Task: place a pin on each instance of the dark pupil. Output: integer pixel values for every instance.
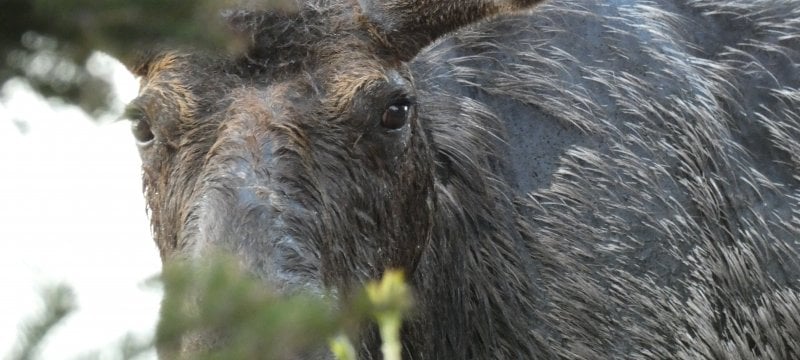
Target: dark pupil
(141, 131)
(395, 116)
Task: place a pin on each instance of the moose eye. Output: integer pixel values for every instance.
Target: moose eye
(396, 115)
(139, 126)
(141, 131)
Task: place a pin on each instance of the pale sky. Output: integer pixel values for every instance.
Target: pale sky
(71, 210)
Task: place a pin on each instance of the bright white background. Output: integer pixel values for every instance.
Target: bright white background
(71, 210)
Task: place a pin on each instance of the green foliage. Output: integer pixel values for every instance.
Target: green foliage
(216, 297)
(389, 300)
(59, 301)
(216, 302)
(342, 348)
(210, 298)
(48, 41)
(124, 27)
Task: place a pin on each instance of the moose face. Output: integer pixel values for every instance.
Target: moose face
(315, 178)
(305, 157)
(319, 158)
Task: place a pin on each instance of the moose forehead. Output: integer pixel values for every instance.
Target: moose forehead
(333, 51)
(180, 80)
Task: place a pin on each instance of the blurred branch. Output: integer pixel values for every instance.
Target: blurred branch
(342, 348)
(49, 41)
(390, 300)
(59, 301)
(228, 314)
(216, 297)
(218, 302)
(124, 27)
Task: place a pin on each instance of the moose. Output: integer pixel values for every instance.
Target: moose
(569, 179)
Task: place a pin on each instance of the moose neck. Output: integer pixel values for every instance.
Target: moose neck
(477, 258)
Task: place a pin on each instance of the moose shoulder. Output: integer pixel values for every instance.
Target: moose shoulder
(583, 179)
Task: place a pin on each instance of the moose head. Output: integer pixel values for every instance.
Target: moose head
(308, 157)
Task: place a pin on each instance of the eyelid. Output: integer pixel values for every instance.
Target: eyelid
(401, 96)
(409, 102)
(133, 112)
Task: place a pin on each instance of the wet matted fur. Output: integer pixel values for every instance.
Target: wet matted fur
(583, 180)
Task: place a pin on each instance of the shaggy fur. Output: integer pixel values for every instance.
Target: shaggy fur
(585, 180)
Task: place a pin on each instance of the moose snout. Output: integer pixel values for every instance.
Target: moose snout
(241, 209)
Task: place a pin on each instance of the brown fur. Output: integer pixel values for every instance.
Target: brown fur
(587, 180)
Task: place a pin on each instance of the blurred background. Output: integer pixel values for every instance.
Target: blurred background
(71, 206)
(72, 212)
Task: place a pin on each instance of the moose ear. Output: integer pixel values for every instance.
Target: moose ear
(406, 26)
